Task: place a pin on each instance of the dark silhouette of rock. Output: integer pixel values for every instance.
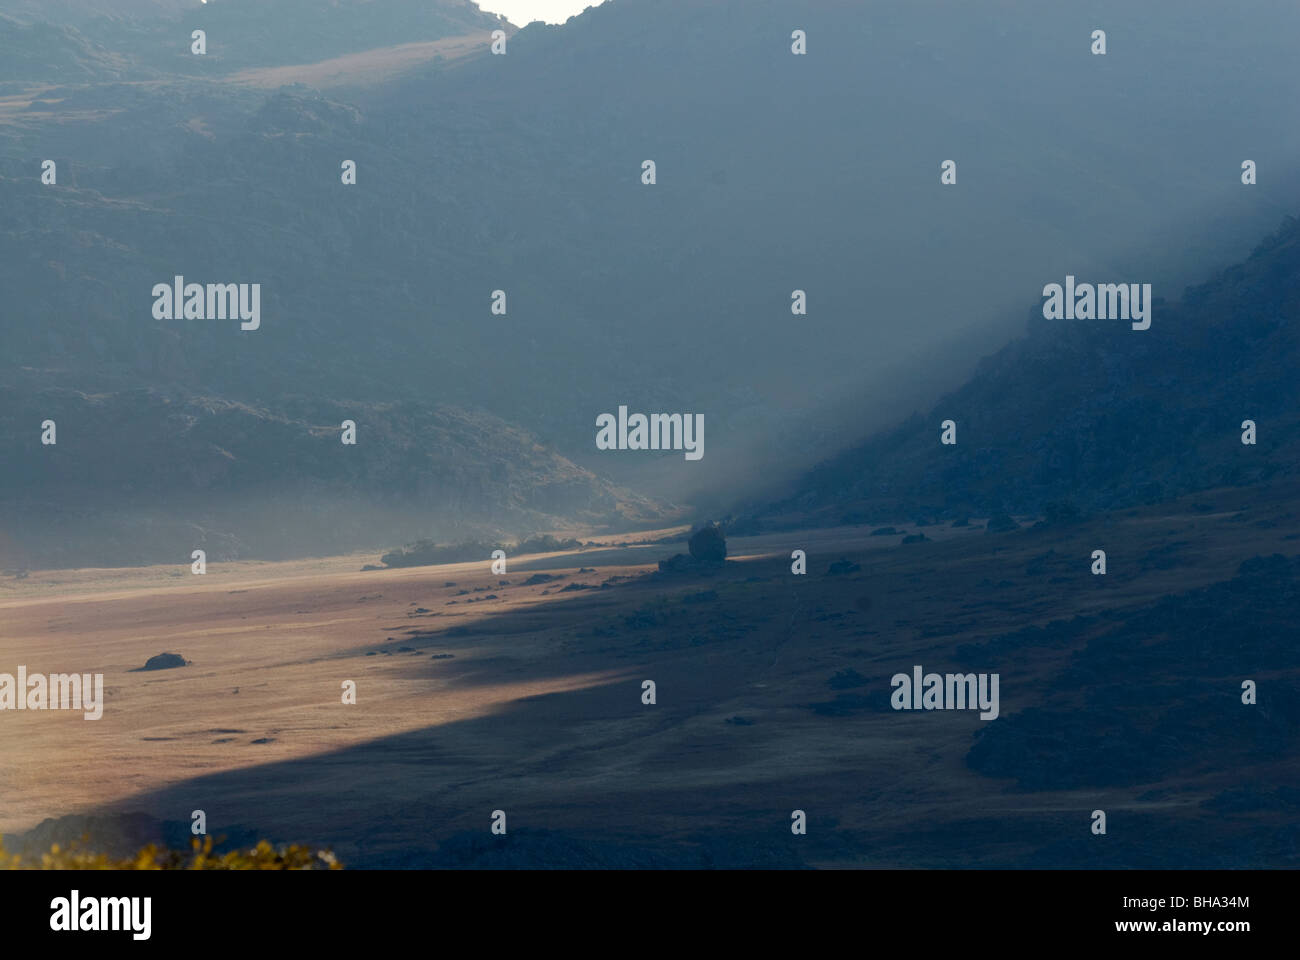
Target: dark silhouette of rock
(165, 661)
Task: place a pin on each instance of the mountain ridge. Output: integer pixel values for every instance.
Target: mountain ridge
(1097, 413)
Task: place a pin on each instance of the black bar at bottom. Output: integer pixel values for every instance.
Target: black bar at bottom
(370, 907)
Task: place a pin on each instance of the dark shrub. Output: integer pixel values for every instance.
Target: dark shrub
(708, 544)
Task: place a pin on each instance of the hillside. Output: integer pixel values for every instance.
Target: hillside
(142, 477)
(1094, 413)
(522, 173)
(153, 39)
(46, 52)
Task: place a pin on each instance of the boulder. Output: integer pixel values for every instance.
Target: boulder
(165, 661)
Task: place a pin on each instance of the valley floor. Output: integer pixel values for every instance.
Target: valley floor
(772, 689)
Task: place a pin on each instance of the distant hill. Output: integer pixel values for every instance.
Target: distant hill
(1092, 412)
(142, 477)
(154, 36)
(81, 11)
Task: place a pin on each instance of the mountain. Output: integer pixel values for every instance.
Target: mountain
(1093, 413)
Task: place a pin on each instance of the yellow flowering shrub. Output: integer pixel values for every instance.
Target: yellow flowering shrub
(264, 856)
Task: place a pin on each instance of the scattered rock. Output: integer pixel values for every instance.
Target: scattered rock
(165, 661)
